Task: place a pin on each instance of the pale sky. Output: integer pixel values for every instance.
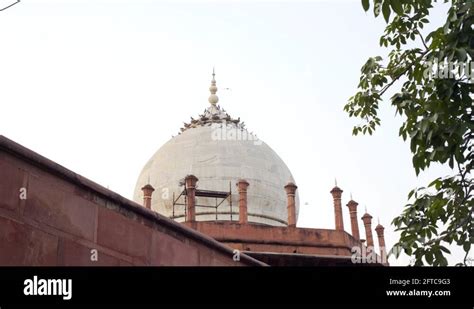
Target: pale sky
(98, 86)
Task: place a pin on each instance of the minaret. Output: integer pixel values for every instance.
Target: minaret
(190, 183)
(242, 185)
(379, 229)
(213, 98)
(290, 189)
(368, 229)
(147, 192)
(336, 195)
(352, 205)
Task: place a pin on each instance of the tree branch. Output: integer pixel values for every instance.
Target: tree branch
(386, 87)
(423, 41)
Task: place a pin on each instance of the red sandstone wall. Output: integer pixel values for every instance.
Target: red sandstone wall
(65, 216)
(259, 238)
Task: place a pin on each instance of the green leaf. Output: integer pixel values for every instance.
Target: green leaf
(445, 249)
(386, 10)
(461, 54)
(365, 5)
(397, 6)
(429, 258)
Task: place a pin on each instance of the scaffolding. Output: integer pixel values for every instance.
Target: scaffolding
(219, 196)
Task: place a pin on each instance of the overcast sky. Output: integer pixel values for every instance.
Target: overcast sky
(99, 86)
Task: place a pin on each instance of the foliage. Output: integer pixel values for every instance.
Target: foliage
(434, 94)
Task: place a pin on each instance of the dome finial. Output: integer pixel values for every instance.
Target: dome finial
(213, 98)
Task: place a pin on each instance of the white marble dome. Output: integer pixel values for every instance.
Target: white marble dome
(219, 151)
